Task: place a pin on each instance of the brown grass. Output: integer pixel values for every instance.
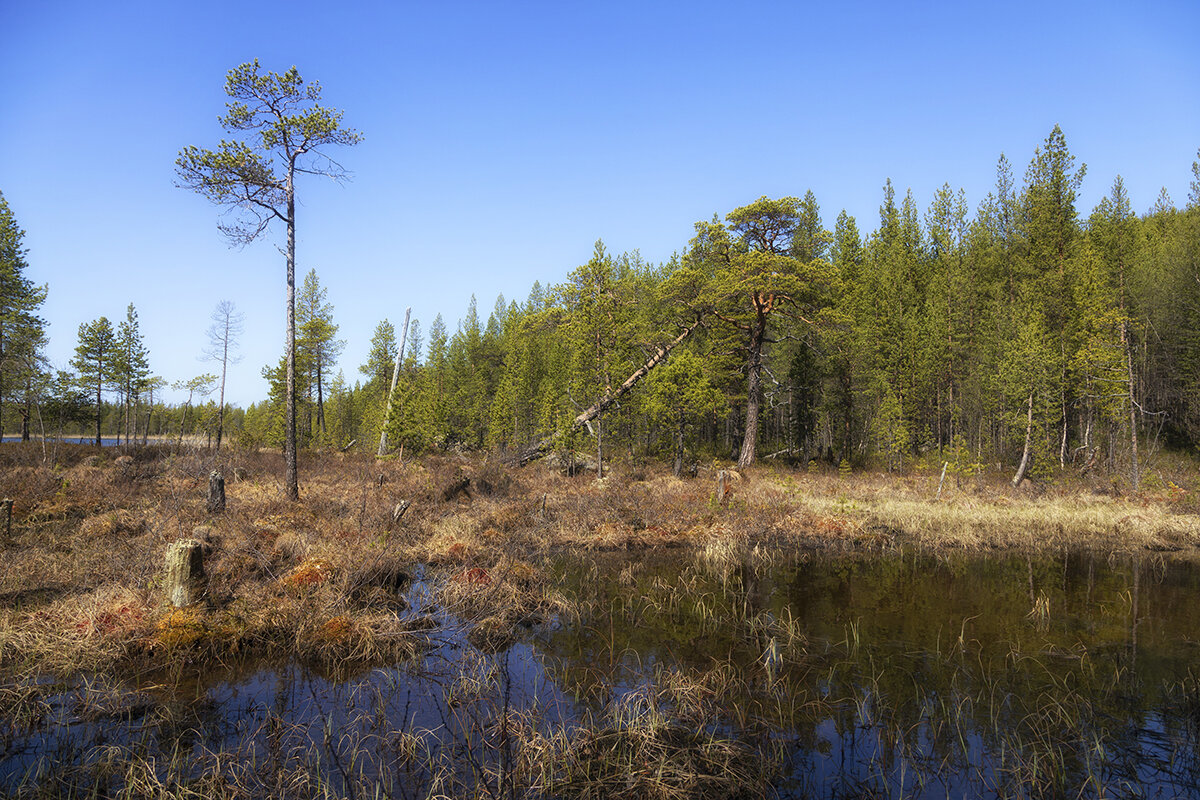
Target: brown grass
(324, 578)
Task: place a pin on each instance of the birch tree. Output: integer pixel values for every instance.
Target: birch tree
(223, 336)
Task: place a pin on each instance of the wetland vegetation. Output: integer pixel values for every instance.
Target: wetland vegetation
(451, 627)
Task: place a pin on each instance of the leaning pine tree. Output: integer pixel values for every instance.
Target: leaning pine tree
(280, 117)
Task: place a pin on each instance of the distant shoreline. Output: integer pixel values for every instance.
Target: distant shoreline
(72, 439)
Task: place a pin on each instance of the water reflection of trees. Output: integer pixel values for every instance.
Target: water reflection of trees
(996, 673)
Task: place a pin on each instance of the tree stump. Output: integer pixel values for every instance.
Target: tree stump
(398, 511)
(216, 492)
(185, 572)
(724, 486)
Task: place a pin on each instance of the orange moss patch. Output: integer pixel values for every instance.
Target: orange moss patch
(455, 553)
(310, 572)
(474, 575)
(831, 524)
(337, 630)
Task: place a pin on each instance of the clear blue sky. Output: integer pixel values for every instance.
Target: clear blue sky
(503, 139)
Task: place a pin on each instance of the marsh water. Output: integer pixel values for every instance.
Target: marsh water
(882, 674)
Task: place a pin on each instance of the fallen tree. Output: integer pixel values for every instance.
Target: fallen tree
(539, 448)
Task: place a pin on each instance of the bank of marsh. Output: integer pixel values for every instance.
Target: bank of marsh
(542, 635)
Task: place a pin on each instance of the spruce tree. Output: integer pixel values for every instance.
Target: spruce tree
(22, 331)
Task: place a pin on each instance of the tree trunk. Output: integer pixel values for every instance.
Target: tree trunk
(183, 423)
(678, 470)
(320, 399)
(216, 492)
(1133, 437)
(605, 402)
(185, 572)
(99, 411)
(1025, 456)
(291, 478)
(753, 392)
(224, 369)
(387, 412)
(27, 412)
(724, 486)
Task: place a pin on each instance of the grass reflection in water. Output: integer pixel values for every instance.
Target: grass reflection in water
(719, 673)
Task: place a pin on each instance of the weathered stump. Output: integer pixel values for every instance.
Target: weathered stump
(724, 486)
(398, 511)
(185, 572)
(216, 492)
(6, 511)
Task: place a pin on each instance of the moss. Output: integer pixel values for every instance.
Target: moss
(310, 572)
(182, 627)
(338, 630)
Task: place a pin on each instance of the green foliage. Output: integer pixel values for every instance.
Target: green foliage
(937, 337)
(22, 331)
(679, 394)
(381, 357)
(95, 362)
(317, 349)
(891, 431)
(281, 117)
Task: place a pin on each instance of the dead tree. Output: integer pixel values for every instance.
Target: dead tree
(606, 401)
(185, 572)
(1028, 452)
(216, 492)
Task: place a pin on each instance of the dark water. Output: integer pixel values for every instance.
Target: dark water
(880, 675)
(106, 441)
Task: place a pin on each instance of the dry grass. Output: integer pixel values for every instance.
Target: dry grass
(325, 578)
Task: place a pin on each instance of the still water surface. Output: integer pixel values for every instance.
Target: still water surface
(867, 675)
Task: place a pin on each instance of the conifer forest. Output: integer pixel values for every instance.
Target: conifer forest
(1024, 333)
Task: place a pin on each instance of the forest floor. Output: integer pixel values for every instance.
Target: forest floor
(82, 583)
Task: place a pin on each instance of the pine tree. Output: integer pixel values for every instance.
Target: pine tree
(381, 358)
(131, 366)
(317, 345)
(1051, 234)
(22, 331)
(282, 118)
(1116, 238)
(748, 273)
(94, 362)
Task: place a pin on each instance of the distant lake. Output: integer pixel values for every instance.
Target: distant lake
(107, 442)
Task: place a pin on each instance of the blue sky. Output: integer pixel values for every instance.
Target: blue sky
(503, 139)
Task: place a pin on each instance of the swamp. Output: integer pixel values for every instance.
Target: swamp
(453, 627)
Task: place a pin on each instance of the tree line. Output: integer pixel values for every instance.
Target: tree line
(1028, 334)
